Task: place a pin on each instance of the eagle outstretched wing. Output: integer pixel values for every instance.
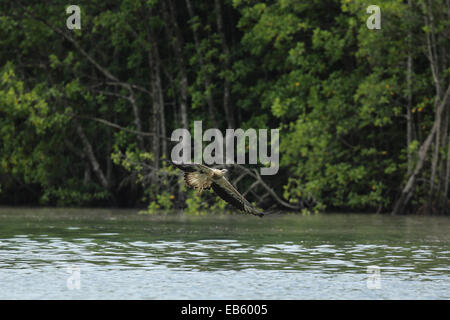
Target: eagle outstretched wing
(192, 167)
(201, 177)
(224, 189)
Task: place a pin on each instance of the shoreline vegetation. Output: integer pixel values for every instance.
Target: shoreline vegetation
(86, 115)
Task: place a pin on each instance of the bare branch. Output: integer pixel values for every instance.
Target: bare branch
(114, 125)
(255, 174)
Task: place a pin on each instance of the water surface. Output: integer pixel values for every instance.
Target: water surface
(116, 254)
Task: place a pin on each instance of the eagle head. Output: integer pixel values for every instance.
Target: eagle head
(219, 173)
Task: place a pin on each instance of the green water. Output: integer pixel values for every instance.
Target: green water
(114, 254)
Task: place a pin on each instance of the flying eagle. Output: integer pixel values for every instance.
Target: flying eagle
(201, 177)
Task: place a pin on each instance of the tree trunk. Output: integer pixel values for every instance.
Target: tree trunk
(445, 162)
(176, 39)
(89, 151)
(442, 163)
(109, 167)
(229, 115)
(435, 159)
(154, 118)
(446, 195)
(207, 80)
(409, 116)
(159, 122)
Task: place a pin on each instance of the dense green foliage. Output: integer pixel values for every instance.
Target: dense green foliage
(84, 114)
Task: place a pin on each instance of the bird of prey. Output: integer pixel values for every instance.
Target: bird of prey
(201, 177)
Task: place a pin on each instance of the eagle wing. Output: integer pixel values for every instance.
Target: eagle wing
(224, 189)
(192, 167)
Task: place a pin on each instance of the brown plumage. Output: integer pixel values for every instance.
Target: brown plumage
(197, 181)
(201, 177)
